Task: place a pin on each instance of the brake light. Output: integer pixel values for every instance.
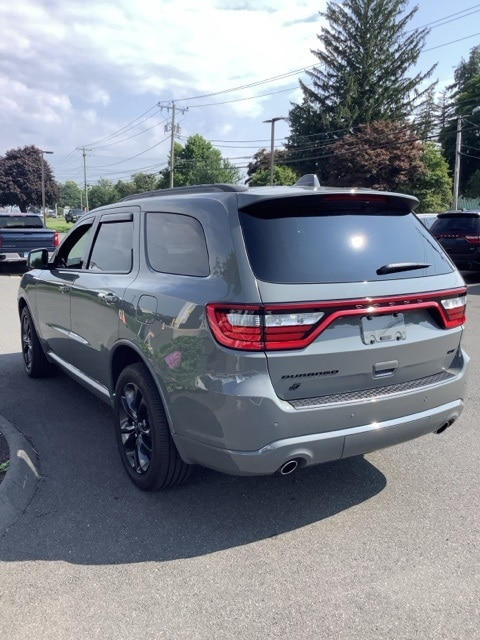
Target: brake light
(275, 327)
(259, 328)
(473, 239)
(56, 239)
(348, 197)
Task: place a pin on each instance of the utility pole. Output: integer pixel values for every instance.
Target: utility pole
(456, 174)
(43, 185)
(272, 145)
(84, 153)
(458, 155)
(175, 129)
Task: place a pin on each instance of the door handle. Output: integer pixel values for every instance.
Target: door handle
(108, 298)
(64, 288)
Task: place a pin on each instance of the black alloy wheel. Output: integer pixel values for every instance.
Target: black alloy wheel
(34, 359)
(143, 436)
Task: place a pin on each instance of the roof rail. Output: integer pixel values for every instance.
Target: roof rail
(196, 188)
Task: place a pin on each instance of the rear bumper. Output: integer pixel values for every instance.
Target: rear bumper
(243, 434)
(13, 257)
(321, 447)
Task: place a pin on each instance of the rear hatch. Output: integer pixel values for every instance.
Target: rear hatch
(356, 294)
(459, 235)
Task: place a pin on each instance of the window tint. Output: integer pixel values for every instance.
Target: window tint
(338, 246)
(113, 246)
(176, 244)
(457, 224)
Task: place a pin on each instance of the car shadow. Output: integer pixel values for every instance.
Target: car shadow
(13, 268)
(86, 511)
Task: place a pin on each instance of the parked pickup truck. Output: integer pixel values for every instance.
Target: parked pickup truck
(22, 232)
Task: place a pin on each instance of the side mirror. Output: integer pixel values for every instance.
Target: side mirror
(38, 259)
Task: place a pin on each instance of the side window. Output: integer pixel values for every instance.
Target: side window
(70, 255)
(176, 244)
(113, 247)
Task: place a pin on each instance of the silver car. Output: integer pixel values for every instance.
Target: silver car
(252, 331)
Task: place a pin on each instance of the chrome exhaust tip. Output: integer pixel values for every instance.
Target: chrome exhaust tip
(288, 467)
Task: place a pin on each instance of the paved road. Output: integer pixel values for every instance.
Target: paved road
(382, 547)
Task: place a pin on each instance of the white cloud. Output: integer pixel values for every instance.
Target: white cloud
(74, 71)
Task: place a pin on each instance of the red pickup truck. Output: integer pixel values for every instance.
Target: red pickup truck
(22, 232)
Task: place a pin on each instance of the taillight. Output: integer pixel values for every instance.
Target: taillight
(56, 239)
(454, 311)
(277, 327)
(473, 239)
(259, 328)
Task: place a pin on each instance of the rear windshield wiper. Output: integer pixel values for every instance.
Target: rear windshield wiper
(395, 267)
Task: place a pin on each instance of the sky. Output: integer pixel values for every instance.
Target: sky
(95, 81)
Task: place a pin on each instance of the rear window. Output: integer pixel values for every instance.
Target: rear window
(337, 246)
(21, 222)
(456, 223)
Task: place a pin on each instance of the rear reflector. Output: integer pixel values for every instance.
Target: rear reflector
(295, 326)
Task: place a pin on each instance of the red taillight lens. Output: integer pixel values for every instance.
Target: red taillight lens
(56, 239)
(295, 326)
(258, 328)
(237, 327)
(473, 239)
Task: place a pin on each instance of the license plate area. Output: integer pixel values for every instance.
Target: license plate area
(386, 328)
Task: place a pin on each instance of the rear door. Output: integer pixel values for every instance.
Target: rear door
(357, 284)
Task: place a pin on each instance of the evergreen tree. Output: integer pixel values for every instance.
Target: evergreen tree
(465, 96)
(362, 76)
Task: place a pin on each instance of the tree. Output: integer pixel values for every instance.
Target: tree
(101, 193)
(465, 99)
(261, 160)
(199, 163)
(428, 117)
(473, 187)
(433, 187)
(124, 189)
(70, 195)
(363, 75)
(21, 178)
(145, 182)
(281, 175)
(381, 155)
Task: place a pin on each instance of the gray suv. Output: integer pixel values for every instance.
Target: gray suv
(252, 331)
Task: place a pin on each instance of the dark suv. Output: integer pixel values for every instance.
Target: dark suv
(252, 330)
(459, 234)
(72, 215)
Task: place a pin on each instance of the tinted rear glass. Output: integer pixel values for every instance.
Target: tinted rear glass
(456, 224)
(337, 246)
(176, 244)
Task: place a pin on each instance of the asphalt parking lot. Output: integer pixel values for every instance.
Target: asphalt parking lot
(385, 546)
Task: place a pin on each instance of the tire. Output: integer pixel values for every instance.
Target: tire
(143, 436)
(34, 359)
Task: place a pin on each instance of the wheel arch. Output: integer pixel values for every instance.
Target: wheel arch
(126, 354)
